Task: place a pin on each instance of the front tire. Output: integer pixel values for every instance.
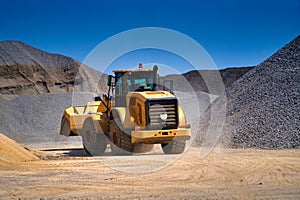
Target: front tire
(173, 147)
(120, 140)
(94, 143)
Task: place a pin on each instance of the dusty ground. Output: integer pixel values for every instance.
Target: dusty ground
(224, 174)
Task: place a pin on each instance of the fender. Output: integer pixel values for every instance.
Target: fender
(119, 114)
(181, 117)
(122, 117)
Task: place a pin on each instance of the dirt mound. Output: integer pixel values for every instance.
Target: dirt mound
(25, 70)
(13, 152)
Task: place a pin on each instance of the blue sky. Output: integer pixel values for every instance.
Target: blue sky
(234, 33)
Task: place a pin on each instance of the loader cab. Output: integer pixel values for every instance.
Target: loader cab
(133, 81)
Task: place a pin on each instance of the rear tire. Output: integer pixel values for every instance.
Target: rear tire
(120, 140)
(173, 147)
(94, 143)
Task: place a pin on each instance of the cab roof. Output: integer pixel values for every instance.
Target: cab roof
(132, 70)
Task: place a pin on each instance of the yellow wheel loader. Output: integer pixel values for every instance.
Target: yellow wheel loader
(135, 114)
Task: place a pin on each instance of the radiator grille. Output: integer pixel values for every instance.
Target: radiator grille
(162, 114)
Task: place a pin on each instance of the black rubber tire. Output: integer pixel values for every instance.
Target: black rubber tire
(65, 127)
(120, 140)
(173, 147)
(93, 143)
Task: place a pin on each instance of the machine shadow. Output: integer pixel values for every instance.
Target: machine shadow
(80, 152)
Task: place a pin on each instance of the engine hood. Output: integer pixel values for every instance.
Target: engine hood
(150, 95)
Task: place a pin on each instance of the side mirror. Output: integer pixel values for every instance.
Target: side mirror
(98, 98)
(109, 79)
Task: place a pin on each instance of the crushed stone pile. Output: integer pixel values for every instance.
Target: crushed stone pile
(263, 105)
(12, 152)
(37, 118)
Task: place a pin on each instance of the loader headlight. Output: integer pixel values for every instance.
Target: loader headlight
(163, 116)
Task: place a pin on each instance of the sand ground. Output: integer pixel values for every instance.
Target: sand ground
(67, 173)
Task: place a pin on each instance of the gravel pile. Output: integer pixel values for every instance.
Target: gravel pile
(263, 105)
(36, 118)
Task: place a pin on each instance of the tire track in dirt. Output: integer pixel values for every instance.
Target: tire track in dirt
(230, 173)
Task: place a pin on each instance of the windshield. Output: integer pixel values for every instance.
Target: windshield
(137, 81)
(140, 81)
